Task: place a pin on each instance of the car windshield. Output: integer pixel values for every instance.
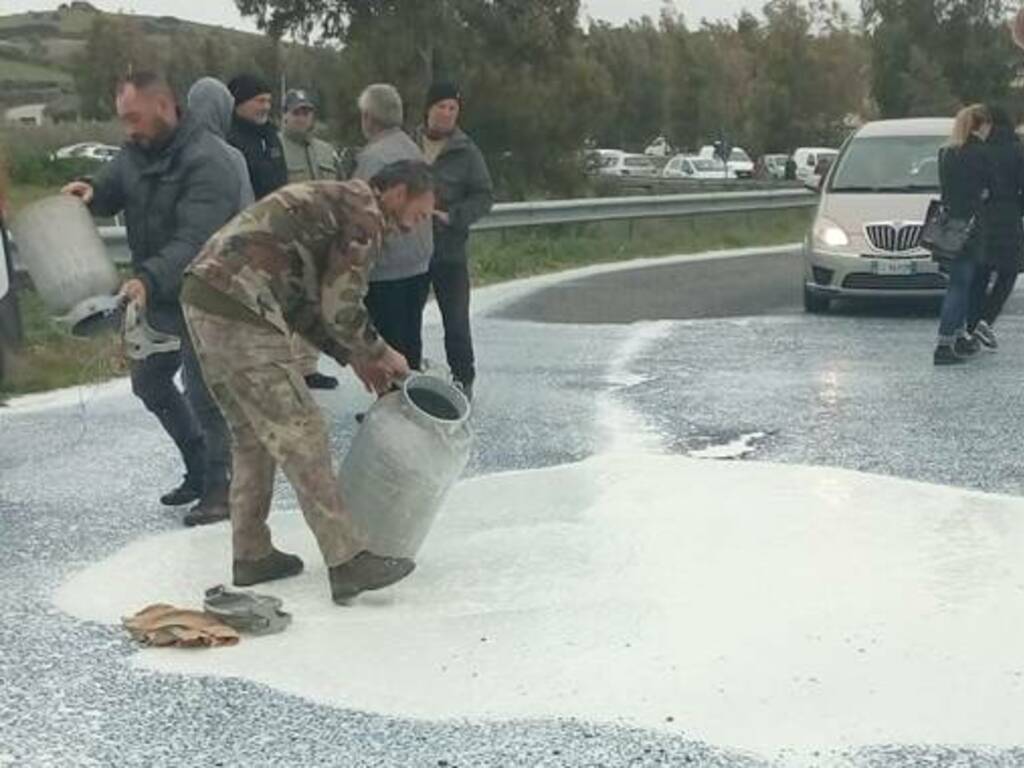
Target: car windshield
(889, 164)
(739, 156)
(608, 160)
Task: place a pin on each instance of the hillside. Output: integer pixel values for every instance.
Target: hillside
(38, 50)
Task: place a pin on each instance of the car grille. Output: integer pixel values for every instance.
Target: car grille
(892, 239)
(926, 281)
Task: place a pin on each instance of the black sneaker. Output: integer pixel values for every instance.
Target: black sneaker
(966, 346)
(364, 572)
(276, 565)
(944, 355)
(190, 490)
(984, 333)
(321, 381)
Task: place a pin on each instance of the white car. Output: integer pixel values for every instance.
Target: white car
(807, 159)
(740, 164)
(866, 236)
(626, 165)
(92, 150)
(102, 152)
(775, 166)
(659, 148)
(696, 168)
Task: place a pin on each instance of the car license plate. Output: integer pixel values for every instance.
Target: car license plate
(894, 267)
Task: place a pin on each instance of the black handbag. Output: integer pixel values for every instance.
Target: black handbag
(945, 235)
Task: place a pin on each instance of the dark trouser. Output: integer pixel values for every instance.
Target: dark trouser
(192, 419)
(396, 308)
(957, 303)
(451, 287)
(988, 295)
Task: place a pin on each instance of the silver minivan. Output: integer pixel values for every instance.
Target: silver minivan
(866, 236)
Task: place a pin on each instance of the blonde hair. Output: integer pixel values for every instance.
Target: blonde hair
(967, 121)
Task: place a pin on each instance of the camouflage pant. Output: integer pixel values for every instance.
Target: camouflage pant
(307, 356)
(252, 373)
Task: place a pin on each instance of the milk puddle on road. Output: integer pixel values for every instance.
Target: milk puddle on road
(777, 609)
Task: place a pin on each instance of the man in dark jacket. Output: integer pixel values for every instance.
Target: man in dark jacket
(176, 186)
(257, 137)
(1002, 252)
(464, 195)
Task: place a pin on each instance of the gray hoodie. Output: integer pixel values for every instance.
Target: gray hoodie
(211, 105)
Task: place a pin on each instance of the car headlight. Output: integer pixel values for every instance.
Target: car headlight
(830, 235)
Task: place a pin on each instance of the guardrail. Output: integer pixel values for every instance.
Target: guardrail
(552, 212)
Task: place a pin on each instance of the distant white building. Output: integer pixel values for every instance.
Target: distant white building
(27, 114)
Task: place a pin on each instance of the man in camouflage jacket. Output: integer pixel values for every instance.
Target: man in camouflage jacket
(297, 263)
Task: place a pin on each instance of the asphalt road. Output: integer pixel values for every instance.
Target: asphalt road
(736, 362)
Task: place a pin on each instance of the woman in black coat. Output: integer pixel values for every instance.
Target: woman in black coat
(1001, 229)
(965, 178)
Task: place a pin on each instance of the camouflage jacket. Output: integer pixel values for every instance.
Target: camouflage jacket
(299, 260)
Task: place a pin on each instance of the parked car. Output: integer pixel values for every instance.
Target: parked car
(625, 164)
(816, 179)
(72, 150)
(102, 152)
(740, 164)
(866, 236)
(659, 148)
(807, 159)
(92, 150)
(596, 159)
(774, 166)
(696, 168)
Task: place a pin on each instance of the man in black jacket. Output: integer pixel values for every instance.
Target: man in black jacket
(256, 136)
(176, 186)
(464, 194)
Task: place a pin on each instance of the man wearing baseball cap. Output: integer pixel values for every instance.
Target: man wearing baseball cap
(307, 157)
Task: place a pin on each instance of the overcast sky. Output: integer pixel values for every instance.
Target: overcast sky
(223, 12)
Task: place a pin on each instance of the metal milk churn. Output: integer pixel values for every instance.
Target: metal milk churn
(409, 451)
(60, 247)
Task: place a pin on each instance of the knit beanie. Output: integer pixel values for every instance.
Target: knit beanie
(245, 87)
(441, 91)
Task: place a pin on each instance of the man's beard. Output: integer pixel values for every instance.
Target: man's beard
(163, 133)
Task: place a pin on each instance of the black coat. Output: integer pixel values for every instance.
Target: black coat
(464, 189)
(966, 179)
(1002, 228)
(173, 199)
(264, 155)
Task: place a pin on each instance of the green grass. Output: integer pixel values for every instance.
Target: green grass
(21, 195)
(51, 358)
(496, 257)
(12, 70)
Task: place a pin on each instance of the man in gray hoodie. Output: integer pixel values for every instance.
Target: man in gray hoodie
(211, 105)
(400, 278)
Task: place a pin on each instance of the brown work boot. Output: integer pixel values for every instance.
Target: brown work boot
(366, 571)
(276, 565)
(212, 508)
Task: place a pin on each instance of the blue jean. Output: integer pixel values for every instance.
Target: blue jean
(957, 303)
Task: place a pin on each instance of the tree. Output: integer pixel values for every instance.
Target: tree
(114, 47)
(958, 46)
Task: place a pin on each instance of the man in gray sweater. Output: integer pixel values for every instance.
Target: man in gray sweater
(400, 279)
